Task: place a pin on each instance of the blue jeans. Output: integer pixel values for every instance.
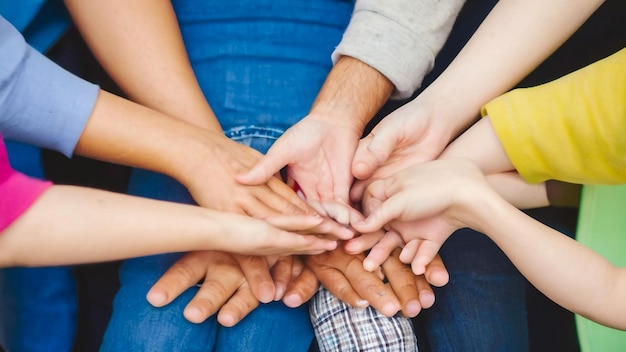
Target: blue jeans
(38, 306)
(260, 65)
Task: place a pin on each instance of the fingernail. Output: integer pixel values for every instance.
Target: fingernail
(280, 291)
(156, 297)
(292, 300)
(362, 303)
(413, 308)
(390, 309)
(193, 314)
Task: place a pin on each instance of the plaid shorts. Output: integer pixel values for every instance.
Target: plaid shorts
(341, 328)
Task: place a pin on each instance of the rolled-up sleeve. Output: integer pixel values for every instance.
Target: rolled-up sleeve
(40, 102)
(399, 38)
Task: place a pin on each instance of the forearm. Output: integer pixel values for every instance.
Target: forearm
(514, 39)
(126, 133)
(68, 225)
(354, 91)
(140, 46)
(567, 272)
(516, 191)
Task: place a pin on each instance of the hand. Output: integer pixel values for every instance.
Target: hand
(318, 153)
(424, 204)
(212, 184)
(295, 282)
(343, 275)
(251, 236)
(230, 285)
(411, 134)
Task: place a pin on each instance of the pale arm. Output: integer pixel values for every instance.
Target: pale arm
(126, 133)
(513, 40)
(140, 46)
(433, 199)
(569, 273)
(69, 225)
(515, 37)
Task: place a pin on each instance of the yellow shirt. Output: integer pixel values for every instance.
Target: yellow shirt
(572, 129)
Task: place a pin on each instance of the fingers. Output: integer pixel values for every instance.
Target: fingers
(382, 213)
(372, 151)
(426, 251)
(339, 217)
(257, 274)
(211, 295)
(335, 210)
(282, 272)
(301, 289)
(363, 242)
(426, 293)
(241, 304)
(185, 273)
(266, 167)
(335, 280)
(369, 286)
(436, 272)
(405, 284)
(381, 251)
(294, 203)
(303, 223)
(361, 283)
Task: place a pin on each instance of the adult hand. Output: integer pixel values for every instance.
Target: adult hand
(232, 286)
(274, 236)
(344, 276)
(413, 133)
(295, 282)
(318, 151)
(211, 181)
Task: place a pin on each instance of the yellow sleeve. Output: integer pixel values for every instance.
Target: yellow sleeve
(572, 129)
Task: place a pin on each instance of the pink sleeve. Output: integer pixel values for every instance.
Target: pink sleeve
(17, 191)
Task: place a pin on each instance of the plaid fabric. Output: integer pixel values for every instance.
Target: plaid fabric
(341, 328)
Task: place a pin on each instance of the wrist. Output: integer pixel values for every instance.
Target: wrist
(353, 91)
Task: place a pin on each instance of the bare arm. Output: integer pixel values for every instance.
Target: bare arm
(139, 44)
(69, 224)
(513, 40)
(515, 37)
(433, 199)
(571, 274)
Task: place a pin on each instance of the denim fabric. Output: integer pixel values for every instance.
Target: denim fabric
(260, 65)
(37, 305)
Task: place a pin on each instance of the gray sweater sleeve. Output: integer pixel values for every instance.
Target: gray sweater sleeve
(399, 38)
(40, 102)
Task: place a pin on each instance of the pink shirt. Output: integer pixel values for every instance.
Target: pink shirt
(17, 191)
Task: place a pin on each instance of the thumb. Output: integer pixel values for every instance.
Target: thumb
(372, 152)
(264, 169)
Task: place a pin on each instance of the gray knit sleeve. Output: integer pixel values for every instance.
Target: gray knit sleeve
(399, 38)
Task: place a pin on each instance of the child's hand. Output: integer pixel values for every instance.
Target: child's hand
(423, 204)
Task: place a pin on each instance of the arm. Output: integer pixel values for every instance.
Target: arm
(69, 224)
(143, 51)
(441, 196)
(41, 103)
(140, 46)
(510, 42)
(580, 110)
(320, 148)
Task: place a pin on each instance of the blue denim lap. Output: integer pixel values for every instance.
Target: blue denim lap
(136, 325)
